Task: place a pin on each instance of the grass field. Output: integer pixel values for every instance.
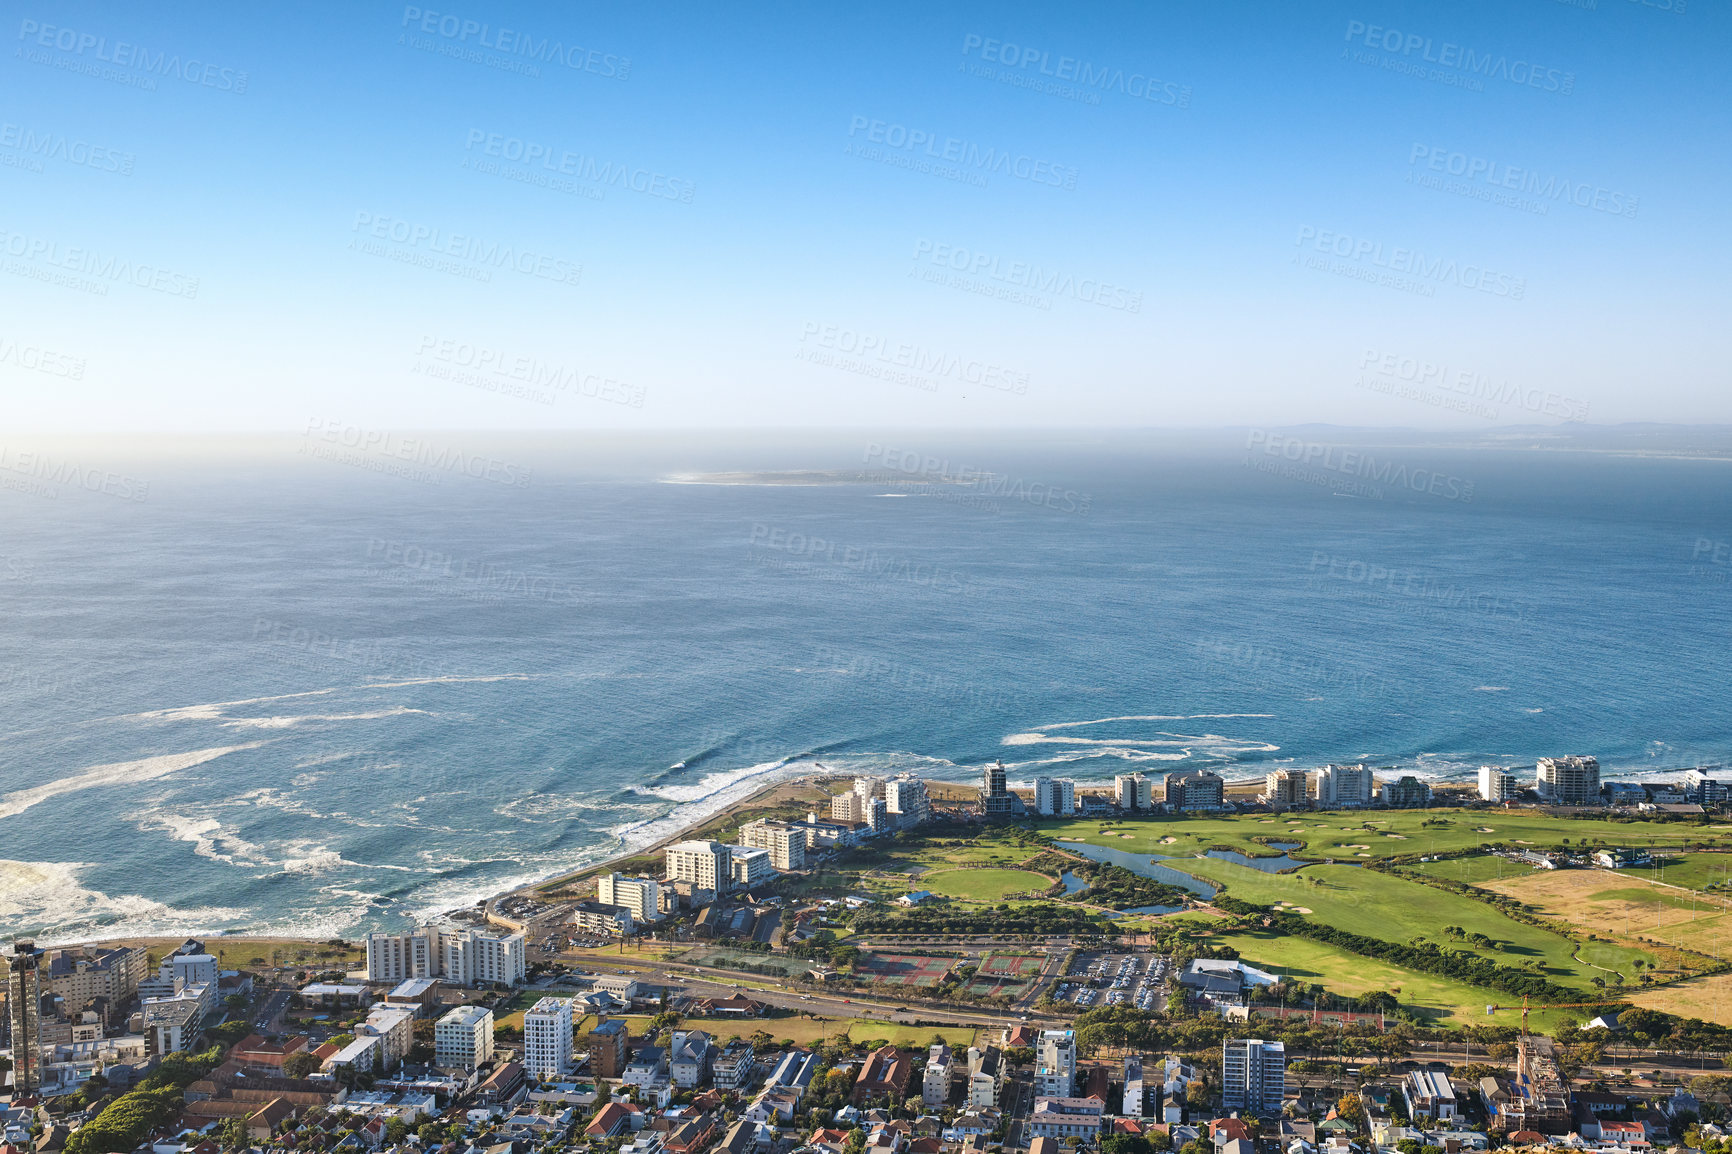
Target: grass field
(1484, 867)
(1692, 871)
(958, 1037)
(1438, 999)
(983, 885)
(1396, 909)
(1627, 906)
(1707, 998)
(1384, 832)
(902, 969)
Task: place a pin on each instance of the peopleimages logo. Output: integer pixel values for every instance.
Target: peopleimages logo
(545, 50)
(124, 55)
(1402, 46)
(1353, 466)
(967, 155)
(1498, 176)
(1088, 77)
(1411, 263)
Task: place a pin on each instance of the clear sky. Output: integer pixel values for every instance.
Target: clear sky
(630, 214)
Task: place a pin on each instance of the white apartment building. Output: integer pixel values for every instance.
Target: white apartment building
(867, 788)
(642, 896)
(1496, 783)
(878, 815)
(394, 1026)
(785, 841)
(476, 955)
(702, 865)
(749, 867)
(906, 800)
(1285, 788)
(1132, 791)
(1339, 786)
(935, 1083)
(1253, 1074)
(463, 1038)
(547, 1039)
(1054, 796)
(399, 957)
(188, 966)
(1055, 1064)
(1568, 780)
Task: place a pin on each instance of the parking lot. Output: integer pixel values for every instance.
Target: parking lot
(1114, 980)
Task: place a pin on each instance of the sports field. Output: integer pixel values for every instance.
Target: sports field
(1383, 833)
(1006, 973)
(1396, 909)
(1629, 905)
(1440, 1000)
(902, 969)
(984, 885)
(1691, 871)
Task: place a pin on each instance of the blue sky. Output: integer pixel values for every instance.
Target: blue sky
(1369, 213)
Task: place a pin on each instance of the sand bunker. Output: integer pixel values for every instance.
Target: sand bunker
(1361, 855)
(1484, 829)
(1126, 836)
(1397, 836)
(1356, 847)
(1169, 840)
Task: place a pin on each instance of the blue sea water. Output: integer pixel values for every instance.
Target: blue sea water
(290, 690)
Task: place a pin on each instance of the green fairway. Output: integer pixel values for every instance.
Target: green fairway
(1383, 833)
(1472, 870)
(1437, 999)
(1694, 871)
(984, 885)
(1396, 909)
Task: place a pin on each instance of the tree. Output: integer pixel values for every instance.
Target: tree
(1197, 1095)
(232, 1134)
(1126, 1144)
(1351, 1109)
(299, 1065)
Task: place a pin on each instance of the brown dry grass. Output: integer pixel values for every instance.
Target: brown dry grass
(1626, 908)
(1707, 998)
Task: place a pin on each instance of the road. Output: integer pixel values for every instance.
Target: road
(269, 1013)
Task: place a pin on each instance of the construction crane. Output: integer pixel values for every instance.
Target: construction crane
(1554, 1006)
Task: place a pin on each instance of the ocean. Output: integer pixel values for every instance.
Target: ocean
(318, 685)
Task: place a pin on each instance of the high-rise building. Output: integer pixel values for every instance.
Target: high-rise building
(1344, 786)
(702, 865)
(1134, 791)
(1496, 783)
(1135, 1100)
(906, 800)
(1568, 780)
(849, 807)
(463, 1038)
(995, 795)
(473, 956)
(749, 868)
(785, 841)
(1406, 792)
(399, 957)
(867, 788)
(1253, 1075)
(642, 896)
(1285, 788)
(1196, 789)
(935, 1084)
(1705, 785)
(608, 1048)
(878, 815)
(547, 1039)
(1054, 796)
(26, 983)
(90, 977)
(1055, 1064)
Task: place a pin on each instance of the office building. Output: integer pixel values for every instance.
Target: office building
(702, 865)
(463, 1038)
(1253, 1075)
(1568, 780)
(1286, 789)
(1134, 791)
(785, 841)
(1496, 783)
(1055, 1064)
(609, 1046)
(1196, 789)
(1344, 786)
(906, 800)
(1406, 792)
(749, 868)
(1054, 796)
(547, 1039)
(642, 896)
(25, 988)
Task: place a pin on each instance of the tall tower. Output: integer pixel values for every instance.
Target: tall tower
(24, 989)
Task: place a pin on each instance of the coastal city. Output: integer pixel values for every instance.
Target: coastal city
(1344, 960)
